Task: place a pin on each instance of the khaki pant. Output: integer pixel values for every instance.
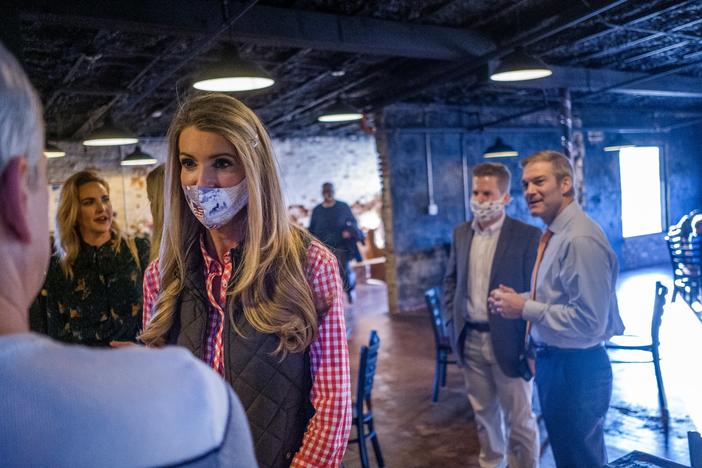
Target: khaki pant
(507, 428)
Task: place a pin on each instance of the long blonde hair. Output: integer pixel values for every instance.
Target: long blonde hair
(154, 192)
(67, 235)
(271, 285)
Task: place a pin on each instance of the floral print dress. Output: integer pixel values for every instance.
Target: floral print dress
(101, 303)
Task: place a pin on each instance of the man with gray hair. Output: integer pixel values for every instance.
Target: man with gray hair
(573, 309)
(72, 406)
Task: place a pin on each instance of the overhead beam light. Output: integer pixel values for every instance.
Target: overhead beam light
(138, 158)
(520, 66)
(52, 151)
(232, 74)
(500, 150)
(110, 135)
(340, 112)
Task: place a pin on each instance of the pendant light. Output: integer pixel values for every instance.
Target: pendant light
(232, 73)
(340, 112)
(500, 150)
(619, 142)
(52, 151)
(110, 135)
(138, 158)
(520, 66)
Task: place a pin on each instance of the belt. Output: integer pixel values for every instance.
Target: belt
(480, 327)
(543, 349)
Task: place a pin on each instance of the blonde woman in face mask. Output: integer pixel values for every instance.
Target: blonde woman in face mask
(245, 290)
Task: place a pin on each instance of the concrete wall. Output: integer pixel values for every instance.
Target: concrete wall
(420, 242)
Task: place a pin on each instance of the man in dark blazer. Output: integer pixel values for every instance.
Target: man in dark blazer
(491, 250)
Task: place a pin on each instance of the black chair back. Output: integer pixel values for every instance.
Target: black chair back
(441, 341)
(652, 347)
(363, 417)
(685, 258)
(658, 308)
(695, 444)
(437, 321)
(366, 371)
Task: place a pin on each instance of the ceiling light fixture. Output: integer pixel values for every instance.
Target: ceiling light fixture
(500, 150)
(520, 66)
(53, 151)
(619, 142)
(138, 158)
(110, 135)
(232, 73)
(340, 112)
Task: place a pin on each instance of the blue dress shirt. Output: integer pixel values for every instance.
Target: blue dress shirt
(576, 302)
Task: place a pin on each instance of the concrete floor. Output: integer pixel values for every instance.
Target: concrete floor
(413, 432)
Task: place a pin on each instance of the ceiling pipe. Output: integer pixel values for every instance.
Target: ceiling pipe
(546, 29)
(591, 94)
(199, 48)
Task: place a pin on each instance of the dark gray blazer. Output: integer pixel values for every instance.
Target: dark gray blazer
(514, 259)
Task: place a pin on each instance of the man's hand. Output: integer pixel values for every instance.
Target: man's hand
(505, 302)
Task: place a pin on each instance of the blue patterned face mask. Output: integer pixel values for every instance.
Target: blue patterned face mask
(487, 211)
(215, 207)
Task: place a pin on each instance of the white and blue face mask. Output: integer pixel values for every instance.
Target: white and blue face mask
(487, 211)
(215, 207)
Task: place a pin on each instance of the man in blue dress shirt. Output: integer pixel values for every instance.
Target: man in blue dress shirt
(573, 310)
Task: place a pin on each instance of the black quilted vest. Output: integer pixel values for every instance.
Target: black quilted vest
(274, 393)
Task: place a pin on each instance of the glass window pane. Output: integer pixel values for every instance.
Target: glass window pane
(639, 168)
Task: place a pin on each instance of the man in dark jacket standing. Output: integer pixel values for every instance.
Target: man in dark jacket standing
(491, 250)
(333, 223)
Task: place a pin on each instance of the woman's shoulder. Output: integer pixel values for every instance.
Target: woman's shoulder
(153, 266)
(54, 271)
(320, 263)
(319, 253)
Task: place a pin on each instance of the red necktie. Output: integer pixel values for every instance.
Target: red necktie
(543, 242)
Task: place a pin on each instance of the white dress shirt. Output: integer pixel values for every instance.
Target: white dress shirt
(482, 252)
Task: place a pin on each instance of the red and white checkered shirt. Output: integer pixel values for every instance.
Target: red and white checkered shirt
(328, 431)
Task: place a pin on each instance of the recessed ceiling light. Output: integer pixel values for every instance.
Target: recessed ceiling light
(138, 158)
(53, 151)
(232, 73)
(110, 135)
(520, 66)
(500, 149)
(340, 112)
